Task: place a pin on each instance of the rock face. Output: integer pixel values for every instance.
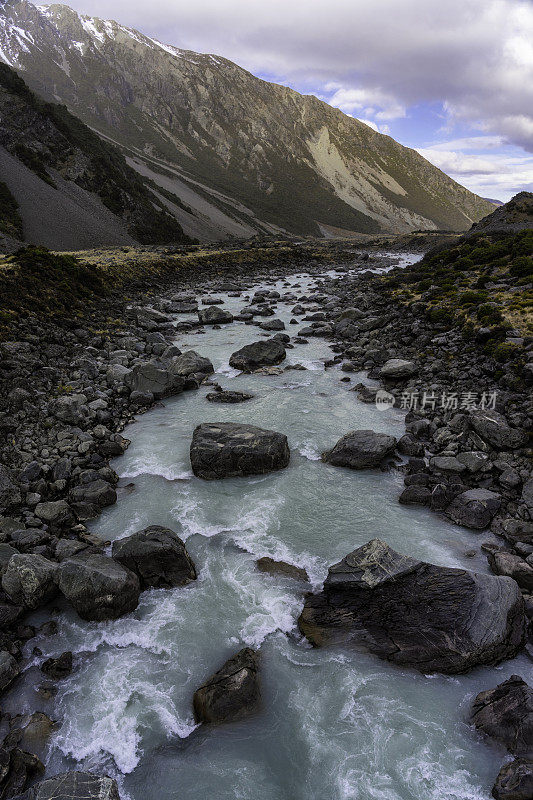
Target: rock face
(514, 781)
(157, 556)
(494, 429)
(227, 449)
(360, 450)
(267, 353)
(436, 619)
(30, 580)
(98, 587)
(474, 508)
(231, 693)
(505, 713)
(212, 315)
(73, 786)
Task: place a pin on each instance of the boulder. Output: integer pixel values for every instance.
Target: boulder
(71, 409)
(514, 781)
(227, 396)
(231, 693)
(527, 493)
(58, 668)
(212, 315)
(9, 669)
(474, 508)
(415, 495)
(397, 369)
(227, 449)
(56, 513)
(9, 493)
(505, 713)
(503, 563)
(98, 587)
(73, 786)
(436, 619)
(272, 325)
(156, 378)
(191, 363)
(266, 353)
(98, 493)
(273, 567)
(360, 450)
(493, 428)
(30, 580)
(157, 556)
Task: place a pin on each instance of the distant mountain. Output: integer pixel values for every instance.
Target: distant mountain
(244, 155)
(494, 202)
(63, 186)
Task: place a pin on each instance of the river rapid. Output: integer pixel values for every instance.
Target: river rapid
(336, 724)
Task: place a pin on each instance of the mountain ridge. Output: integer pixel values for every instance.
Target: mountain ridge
(267, 158)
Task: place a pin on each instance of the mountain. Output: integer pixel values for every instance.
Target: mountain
(244, 155)
(511, 217)
(63, 186)
(493, 201)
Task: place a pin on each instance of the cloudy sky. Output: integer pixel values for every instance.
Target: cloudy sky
(452, 78)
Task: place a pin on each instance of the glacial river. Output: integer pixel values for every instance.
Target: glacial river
(336, 724)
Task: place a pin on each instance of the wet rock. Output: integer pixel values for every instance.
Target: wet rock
(503, 563)
(30, 580)
(157, 556)
(73, 786)
(474, 508)
(273, 567)
(514, 781)
(56, 513)
(415, 495)
(9, 493)
(446, 464)
(231, 693)
(227, 449)
(226, 396)
(360, 450)
(409, 446)
(192, 363)
(17, 769)
(259, 354)
(31, 732)
(88, 499)
(58, 668)
(212, 315)
(98, 587)
(397, 369)
(436, 619)
(9, 669)
(505, 713)
(494, 429)
(272, 325)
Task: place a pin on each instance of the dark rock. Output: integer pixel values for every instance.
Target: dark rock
(273, 567)
(227, 449)
(58, 668)
(505, 713)
(9, 493)
(503, 563)
(397, 369)
(214, 316)
(415, 495)
(272, 325)
(360, 450)
(514, 781)
(192, 363)
(56, 513)
(98, 587)
(266, 353)
(494, 429)
(30, 580)
(409, 446)
(436, 619)
(9, 669)
(231, 693)
(17, 769)
(226, 396)
(73, 786)
(157, 556)
(156, 378)
(474, 508)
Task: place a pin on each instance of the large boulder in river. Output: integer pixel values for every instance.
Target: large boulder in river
(231, 693)
(73, 786)
(98, 587)
(267, 353)
(190, 364)
(360, 450)
(30, 580)
(505, 713)
(228, 450)
(514, 781)
(436, 619)
(157, 556)
(494, 429)
(154, 377)
(474, 508)
(212, 315)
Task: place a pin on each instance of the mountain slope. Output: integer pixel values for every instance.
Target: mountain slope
(69, 187)
(265, 156)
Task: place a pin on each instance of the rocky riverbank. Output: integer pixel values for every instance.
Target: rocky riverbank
(71, 383)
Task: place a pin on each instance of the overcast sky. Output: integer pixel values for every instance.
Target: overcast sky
(453, 78)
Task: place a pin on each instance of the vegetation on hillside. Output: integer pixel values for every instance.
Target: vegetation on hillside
(10, 219)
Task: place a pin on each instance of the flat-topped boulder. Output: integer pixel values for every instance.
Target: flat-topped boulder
(228, 396)
(409, 612)
(73, 786)
(266, 353)
(98, 587)
(360, 450)
(191, 363)
(155, 377)
(213, 315)
(231, 693)
(157, 556)
(228, 449)
(397, 369)
(474, 508)
(505, 713)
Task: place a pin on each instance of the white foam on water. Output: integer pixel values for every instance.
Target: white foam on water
(308, 451)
